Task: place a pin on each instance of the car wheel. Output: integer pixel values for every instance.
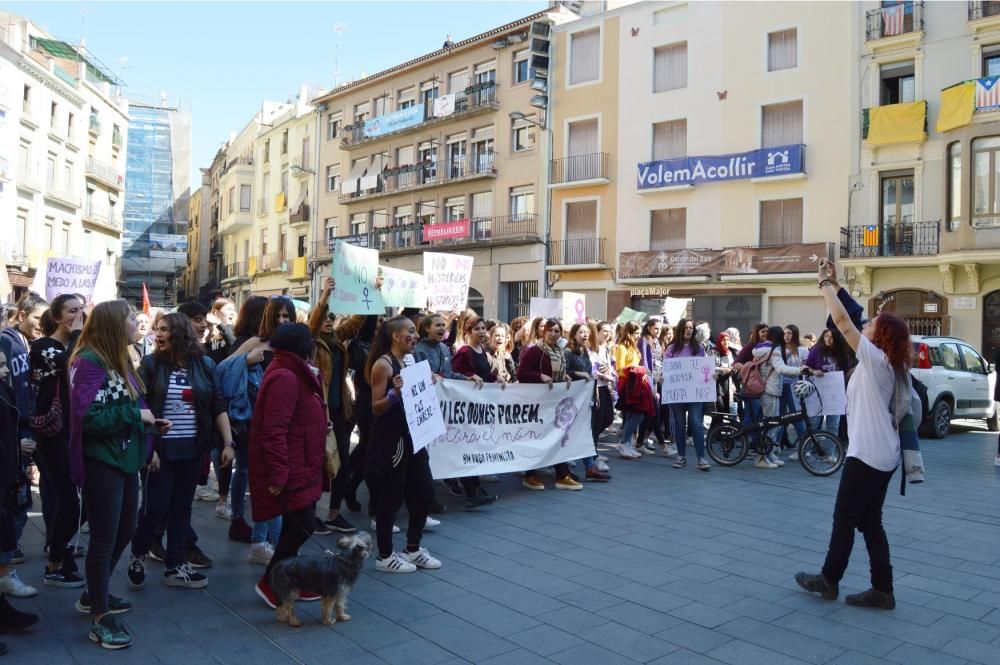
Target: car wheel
(940, 420)
(993, 422)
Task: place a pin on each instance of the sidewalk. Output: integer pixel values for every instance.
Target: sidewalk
(659, 566)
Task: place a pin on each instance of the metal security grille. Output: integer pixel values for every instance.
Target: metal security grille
(518, 297)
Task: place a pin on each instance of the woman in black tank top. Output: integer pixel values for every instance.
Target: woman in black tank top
(401, 475)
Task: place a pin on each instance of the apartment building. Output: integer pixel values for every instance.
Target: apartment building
(63, 125)
(284, 174)
(447, 152)
(196, 271)
(923, 238)
(718, 107)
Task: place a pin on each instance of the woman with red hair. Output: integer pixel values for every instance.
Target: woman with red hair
(883, 351)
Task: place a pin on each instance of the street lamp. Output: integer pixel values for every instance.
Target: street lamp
(518, 115)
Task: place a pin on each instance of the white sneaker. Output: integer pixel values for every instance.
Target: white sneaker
(395, 529)
(603, 458)
(394, 564)
(224, 511)
(763, 463)
(601, 466)
(431, 523)
(11, 585)
(775, 460)
(669, 450)
(421, 559)
(261, 553)
(628, 451)
(794, 457)
(646, 449)
(205, 493)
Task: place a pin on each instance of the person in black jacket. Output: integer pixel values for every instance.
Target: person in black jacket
(181, 389)
(50, 382)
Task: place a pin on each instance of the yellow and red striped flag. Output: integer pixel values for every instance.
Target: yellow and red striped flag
(871, 236)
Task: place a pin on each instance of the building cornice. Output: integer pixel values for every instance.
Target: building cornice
(31, 68)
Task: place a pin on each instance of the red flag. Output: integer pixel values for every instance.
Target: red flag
(145, 299)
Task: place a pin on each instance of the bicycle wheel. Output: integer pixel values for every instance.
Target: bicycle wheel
(822, 454)
(725, 445)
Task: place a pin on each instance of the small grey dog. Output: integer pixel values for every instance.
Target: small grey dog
(330, 576)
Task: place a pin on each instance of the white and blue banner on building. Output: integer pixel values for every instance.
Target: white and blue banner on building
(762, 163)
(392, 122)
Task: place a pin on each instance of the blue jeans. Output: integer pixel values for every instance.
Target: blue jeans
(789, 404)
(630, 426)
(694, 414)
(267, 531)
(832, 424)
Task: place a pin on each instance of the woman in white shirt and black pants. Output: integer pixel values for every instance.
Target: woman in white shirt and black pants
(883, 349)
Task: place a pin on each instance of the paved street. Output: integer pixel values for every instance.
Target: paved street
(659, 566)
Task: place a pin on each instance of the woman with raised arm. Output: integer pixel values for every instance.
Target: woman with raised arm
(883, 351)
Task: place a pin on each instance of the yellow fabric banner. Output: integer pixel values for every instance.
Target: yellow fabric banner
(279, 202)
(957, 106)
(897, 123)
(252, 266)
(300, 267)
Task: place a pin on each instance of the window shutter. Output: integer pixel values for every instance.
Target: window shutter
(780, 222)
(782, 50)
(583, 138)
(670, 139)
(781, 124)
(670, 67)
(482, 205)
(585, 56)
(668, 229)
(404, 156)
(581, 220)
(244, 197)
(458, 81)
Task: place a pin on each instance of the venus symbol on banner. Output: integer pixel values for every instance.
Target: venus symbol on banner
(574, 308)
(354, 269)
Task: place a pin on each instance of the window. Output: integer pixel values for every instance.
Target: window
(263, 243)
(20, 228)
(583, 144)
(482, 149)
(991, 61)
(246, 249)
(300, 246)
(427, 156)
(26, 100)
(670, 139)
(781, 124)
(284, 142)
(359, 223)
(282, 243)
(330, 224)
(454, 208)
(267, 151)
(522, 202)
(973, 361)
(955, 183)
(333, 122)
(50, 173)
(306, 153)
(482, 205)
(68, 176)
(949, 357)
(425, 212)
(381, 106)
(782, 50)
(360, 112)
(521, 66)
(516, 299)
(232, 199)
(456, 156)
(53, 111)
(333, 178)
(668, 229)
(584, 56)
(49, 230)
(581, 220)
(897, 199)
(403, 215)
(245, 196)
(428, 93)
(406, 98)
(670, 65)
(65, 240)
(69, 126)
(522, 134)
(898, 84)
(284, 185)
(985, 176)
(780, 222)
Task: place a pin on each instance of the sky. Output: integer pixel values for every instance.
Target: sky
(221, 59)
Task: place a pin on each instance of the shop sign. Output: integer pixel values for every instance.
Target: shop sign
(729, 261)
(763, 163)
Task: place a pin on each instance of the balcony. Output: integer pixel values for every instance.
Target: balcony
(879, 240)
(66, 196)
(94, 125)
(322, 250)
(895, 25)
(29, 115)
(984, 15)
(236, 272)
(267, 264)
(301, 167)
(27, 178)
(485, 231)
(116, 139)
(423, 176)
(475, 99)
(101, 221)
(104, 173)
(239, 166)
(17, 257)
(235, 220)
(299, 215)
(579, 171)
(576, 254)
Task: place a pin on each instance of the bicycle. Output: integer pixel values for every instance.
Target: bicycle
(728, 443)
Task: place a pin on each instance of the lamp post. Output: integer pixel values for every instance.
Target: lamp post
(520, 116)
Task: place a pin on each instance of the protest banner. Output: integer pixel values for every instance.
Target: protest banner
(420, 402)
(354, 269)
(830, 398)
(520, 428)
(628, 314)
(448, 277)
(674, 309)
(402, 288)
(689, 379)
(65, 275)
(574, 309)
(545, 308)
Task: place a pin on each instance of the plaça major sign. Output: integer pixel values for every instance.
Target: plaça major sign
(762, 163)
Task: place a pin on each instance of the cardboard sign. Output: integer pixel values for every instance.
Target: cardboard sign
(830, 398)
(574, 309)
(402, 288)
(687, 380)
(628, 314)
(546, 308)
(354, 269)
(420, 402)
(526, 426)
(64, 275)
(448, 277)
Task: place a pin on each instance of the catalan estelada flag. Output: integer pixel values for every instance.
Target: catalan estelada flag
(870, 236)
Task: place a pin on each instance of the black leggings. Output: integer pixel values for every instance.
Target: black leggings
(113, 500)
(402, 476)
(168, 495)
(53, 462)
(340, 486)
(602, 415)
(296, 528)
(652, 423)
(359, 466)
(860, 498)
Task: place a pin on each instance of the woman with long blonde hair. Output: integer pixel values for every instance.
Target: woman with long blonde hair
(108, 446)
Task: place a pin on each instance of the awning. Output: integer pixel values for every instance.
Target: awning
(350, 183)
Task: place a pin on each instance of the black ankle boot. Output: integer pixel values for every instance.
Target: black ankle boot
(883, 600)
(818, 584)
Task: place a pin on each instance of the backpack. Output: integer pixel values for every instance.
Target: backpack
(751, 379)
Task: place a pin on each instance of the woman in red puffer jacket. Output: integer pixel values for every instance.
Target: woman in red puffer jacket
(287, 444)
